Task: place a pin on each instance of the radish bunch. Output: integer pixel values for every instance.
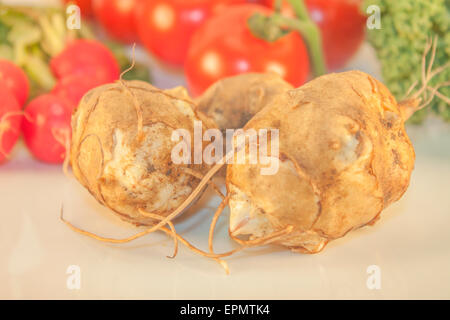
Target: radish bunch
(14, 89)
(83, 65)
(45, 121)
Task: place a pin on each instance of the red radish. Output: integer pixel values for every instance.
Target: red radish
(46, 127)
(84, 56)
(15, 80)
(10, 118)
(74, 87)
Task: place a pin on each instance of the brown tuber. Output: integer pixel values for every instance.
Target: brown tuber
(231, 102)
(344, 156)
(121, 148)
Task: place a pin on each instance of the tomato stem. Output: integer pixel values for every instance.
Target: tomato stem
(311, 34)
(271, 28)
(300, 9)
(310, 31)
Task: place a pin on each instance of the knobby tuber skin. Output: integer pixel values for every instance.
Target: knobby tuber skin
(232, 102)
(344, 157)
(121, 148)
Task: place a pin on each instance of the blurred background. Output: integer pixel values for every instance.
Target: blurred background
(56, 51)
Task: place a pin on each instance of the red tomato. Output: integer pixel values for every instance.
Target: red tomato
(15, 80)
(342, 26)
(117, 17)
(166, 26)
(10, 118)
(84, 56)
(224, 46)
(46, 127)
(85, 6)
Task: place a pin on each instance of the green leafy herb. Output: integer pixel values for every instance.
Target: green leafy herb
(405, 27)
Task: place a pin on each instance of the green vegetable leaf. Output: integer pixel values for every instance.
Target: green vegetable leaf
(406, 25)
